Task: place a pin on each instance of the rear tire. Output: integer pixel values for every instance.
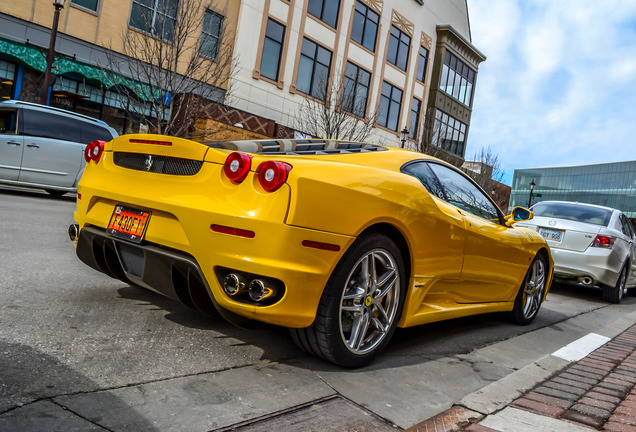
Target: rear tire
(614, 294)
(360, 306)
(531, 293)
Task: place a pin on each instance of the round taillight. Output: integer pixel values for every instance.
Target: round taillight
(94, 150)
(88, 151)
(237, 166)
(272, 175)
(97, 150)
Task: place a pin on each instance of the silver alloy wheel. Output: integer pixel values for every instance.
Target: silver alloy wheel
(370, 301)
(534, 288)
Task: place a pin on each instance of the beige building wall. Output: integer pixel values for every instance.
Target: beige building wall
(244, 25)
(280, 100)
(108, 27)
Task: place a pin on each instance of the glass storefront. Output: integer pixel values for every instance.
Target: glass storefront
(76, 94)
(7, 79)
(608, 184)
(79, 87)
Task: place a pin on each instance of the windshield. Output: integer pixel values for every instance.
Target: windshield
(573, 211)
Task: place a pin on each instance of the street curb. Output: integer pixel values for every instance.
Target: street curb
(453, 419)
(498, 395)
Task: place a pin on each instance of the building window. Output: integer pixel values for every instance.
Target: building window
(449, 133)
(355, 93)
(457, 79)
(399, 44)
(7, 79)
(365, 26)
(313, 70)
(325, 10)
(414, 118)
(88, 4)
(390, 105)
(272, 49)
(211, 34)
(157, 17)
(422, 62)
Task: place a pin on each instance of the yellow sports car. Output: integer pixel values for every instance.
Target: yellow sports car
(341, 242)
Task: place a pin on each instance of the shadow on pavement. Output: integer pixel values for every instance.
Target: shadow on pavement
(415, 345)
(273, 340)
(29, 379)
(35, 193)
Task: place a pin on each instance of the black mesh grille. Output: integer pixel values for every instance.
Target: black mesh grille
(157, 164)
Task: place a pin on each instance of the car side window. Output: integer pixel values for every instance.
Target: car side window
(462, 193)
(47, 125)
(422, 172)
(626, 226)
(8, 121)
(92, 132)
(630, 227)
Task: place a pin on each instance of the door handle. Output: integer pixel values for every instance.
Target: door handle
(33, 146)
(13, 143)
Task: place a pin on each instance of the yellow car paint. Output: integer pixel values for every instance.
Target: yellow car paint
(460, 264)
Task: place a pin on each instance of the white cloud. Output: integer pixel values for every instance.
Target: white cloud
(559, 81)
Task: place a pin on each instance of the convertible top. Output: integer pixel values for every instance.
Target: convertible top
(296, 147)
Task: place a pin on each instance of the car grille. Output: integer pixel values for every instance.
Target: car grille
(157, 164)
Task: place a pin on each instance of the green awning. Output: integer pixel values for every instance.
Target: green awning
(32, 57)
(107, 78)
(36, 59)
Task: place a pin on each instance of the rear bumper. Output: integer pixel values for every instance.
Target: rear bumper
(193, 278)
(155, 268)
(179, 243)
(601, 265)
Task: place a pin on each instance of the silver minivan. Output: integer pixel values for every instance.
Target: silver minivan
(43, 147)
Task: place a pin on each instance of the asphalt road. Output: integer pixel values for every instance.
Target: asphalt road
(69, 334)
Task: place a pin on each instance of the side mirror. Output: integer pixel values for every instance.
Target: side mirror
(518, 214)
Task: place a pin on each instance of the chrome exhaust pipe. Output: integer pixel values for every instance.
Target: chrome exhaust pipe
(258, 291)
(586, 280)
(73, 232)
(232, 284)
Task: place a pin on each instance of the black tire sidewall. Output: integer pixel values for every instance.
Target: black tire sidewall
(613, 294)
(517, 311)
(328, 318)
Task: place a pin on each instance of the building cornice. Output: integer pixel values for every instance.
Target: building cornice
(446, 34)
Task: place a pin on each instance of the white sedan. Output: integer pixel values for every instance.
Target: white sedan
(591, 245)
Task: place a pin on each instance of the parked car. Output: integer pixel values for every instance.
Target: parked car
(341, 242)
(43, 147)
(591, 245)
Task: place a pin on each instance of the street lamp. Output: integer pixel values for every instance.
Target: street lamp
(404, 134)
(50, 56)
(532, 185)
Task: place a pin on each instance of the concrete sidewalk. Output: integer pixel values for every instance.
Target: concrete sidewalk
(586, 385)
(589, 384)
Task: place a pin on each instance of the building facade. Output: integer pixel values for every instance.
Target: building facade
(395, 62)
(607, 184)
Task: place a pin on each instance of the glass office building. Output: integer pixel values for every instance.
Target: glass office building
(608, 184)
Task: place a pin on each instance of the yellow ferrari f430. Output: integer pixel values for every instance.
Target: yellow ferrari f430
(341, 242)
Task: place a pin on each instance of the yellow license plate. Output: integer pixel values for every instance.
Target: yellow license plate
(128, 223)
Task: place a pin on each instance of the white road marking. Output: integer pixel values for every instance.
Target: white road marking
(580, 348)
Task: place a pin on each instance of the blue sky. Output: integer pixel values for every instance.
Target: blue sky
(559, 83)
